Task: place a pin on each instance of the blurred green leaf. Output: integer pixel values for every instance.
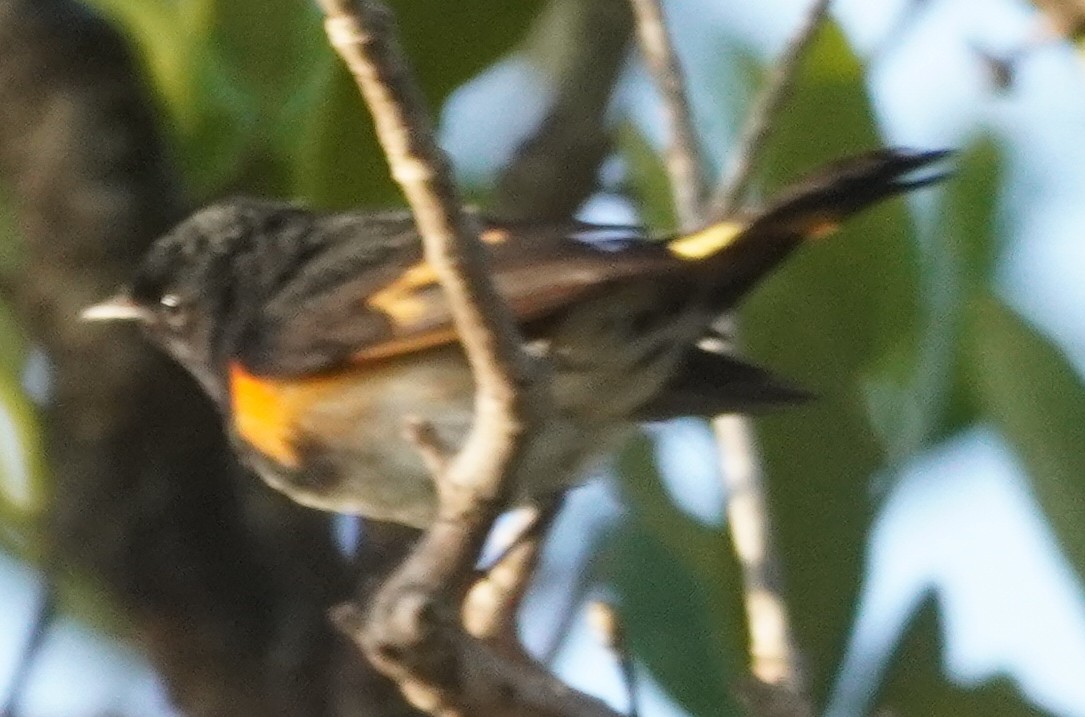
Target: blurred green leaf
(648, 180)
(970, 217)
(23, 474)
(258, 102)
(915, 395)
(679, 586)
(1033, 395)
(208, 111)
(961, 263)
(339, 163)
(704, 549)
(448, 48)
(667, 613)
(916, 685)
(839, 316)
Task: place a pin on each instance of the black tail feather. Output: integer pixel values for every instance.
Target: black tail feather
(734, 261)
(711, 383)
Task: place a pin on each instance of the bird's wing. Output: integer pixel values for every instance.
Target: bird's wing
(354, 305)
(349, 306)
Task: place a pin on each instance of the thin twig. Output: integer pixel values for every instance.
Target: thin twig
(743, 160)
(607, 624)
(684, 160)
(491, 607)
(435, 454)
(774, 659)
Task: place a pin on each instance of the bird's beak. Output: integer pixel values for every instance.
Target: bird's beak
(116, 308)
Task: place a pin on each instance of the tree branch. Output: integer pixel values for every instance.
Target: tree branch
(556, 169)
(225, 583)
(743, 159)
(684, 161)
(412, 630)
(774, 658)
(491, 607)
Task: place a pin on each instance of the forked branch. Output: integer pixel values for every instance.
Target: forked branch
(413, 630)
(774, 659)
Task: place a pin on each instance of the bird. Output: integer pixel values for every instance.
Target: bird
(318, 335)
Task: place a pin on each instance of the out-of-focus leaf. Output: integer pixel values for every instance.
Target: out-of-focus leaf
(253, 39)
(208, 111)
(258, 102)
(699, 546)
(961, 264)
(23, 476)
(914, 393)
(1026, 387)
(339, 163)
(648, 180)
(829, 320)
(154, 27)
(916, 685)
(679, 587)
(970, 218)
(23, 488)
(448, 48)
(667, 615)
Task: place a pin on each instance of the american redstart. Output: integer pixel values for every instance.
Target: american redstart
(318, 335)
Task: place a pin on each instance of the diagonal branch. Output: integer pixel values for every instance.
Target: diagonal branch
(557, 167)
(684, 160)
(413, 631)
(363, 34)
(774, 658)
(744, 158)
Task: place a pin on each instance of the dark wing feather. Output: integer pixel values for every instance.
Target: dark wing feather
(710, 383)
(367, 293)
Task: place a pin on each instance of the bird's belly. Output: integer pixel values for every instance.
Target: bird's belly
(354, 456)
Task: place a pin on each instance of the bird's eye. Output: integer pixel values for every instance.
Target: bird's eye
(174, 310)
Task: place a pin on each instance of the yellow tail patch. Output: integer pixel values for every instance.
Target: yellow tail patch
(706, 242)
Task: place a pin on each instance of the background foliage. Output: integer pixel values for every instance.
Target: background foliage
(899, 323)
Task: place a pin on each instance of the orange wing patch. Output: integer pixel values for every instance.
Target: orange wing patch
(495, 235)
(400, 300)
(407, 344)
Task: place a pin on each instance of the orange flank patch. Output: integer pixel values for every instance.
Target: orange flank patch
(265, 410)
(261, 416)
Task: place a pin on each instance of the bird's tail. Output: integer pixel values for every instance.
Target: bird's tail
(738, 253)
